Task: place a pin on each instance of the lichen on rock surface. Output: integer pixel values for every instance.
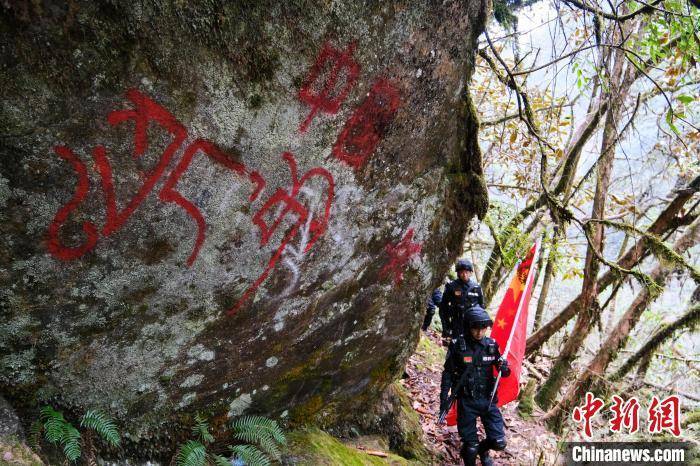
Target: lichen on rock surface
(234, 207)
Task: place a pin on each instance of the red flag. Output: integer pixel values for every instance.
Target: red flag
(451, 418)
(510, 325)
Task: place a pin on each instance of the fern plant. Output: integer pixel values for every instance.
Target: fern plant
(201, 429)
(194, 452)
(103, 425)
(58, 431)
(262, 439)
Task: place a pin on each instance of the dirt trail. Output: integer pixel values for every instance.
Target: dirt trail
(529, 443)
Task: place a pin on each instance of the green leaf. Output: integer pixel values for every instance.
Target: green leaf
(192, 453)
(58, 430)
(686, 99)
(201, 429)
(71, 442)
(103, 425)
(669, 121)
(221, 460)
(35, 434)
(250, 455)
(54, 424)
(261, 431)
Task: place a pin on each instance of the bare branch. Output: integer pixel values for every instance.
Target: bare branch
(645, 9)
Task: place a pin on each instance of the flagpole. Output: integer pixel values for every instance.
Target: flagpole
(530, 277)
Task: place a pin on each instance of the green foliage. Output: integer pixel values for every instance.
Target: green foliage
(669, 121)
(192, 453)
(264, 432)
(250, 455)
(59, 431)
(658, 30)
(582, 81)
(504, 15)
(221, 460)
(686, 99)
(261, 436)
(201, 429)
(34, 438)
(511, 242)
(103, 425)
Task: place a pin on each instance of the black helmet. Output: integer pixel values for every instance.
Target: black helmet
(464, 264)
(476, 317)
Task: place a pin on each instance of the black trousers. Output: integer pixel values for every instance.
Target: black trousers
(469, 410)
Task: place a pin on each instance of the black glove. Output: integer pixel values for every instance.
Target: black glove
(503, 366)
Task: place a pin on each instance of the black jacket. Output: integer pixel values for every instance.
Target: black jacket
(456, 300)
(477, 358)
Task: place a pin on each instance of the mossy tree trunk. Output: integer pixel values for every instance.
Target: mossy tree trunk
(689, 319)
(664, 224)
(617, 338)
(588, 307)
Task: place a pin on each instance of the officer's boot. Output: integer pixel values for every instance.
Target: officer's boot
(468, 453)
(484, 447)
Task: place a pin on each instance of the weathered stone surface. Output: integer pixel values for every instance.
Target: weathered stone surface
(9, 421)
(108, 303)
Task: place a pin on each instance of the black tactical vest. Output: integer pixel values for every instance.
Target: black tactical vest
(477, 358)
(466, 296)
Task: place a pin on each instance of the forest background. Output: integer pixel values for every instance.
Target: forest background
(589, 130)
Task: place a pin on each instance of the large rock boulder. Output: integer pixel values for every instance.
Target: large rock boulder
(225, 206)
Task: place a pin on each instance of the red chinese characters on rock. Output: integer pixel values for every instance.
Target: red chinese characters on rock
(145, 112)
(328, 95)
(625, 414)
(665, 415)
(583, 414)
(399, 256)
(170, 194)
(367, 125)
(327, 85)
(286, 202)
(54, 245)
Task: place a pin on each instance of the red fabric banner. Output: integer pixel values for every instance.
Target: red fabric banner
(504, 324)
(451, 418)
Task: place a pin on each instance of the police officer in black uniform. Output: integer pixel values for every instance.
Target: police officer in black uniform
(459, 296)
(468, 374)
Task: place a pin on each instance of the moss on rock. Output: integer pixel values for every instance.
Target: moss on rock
(407, 439)
(526, 400)
(429, 354)
(13, 452)
(315, 447)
